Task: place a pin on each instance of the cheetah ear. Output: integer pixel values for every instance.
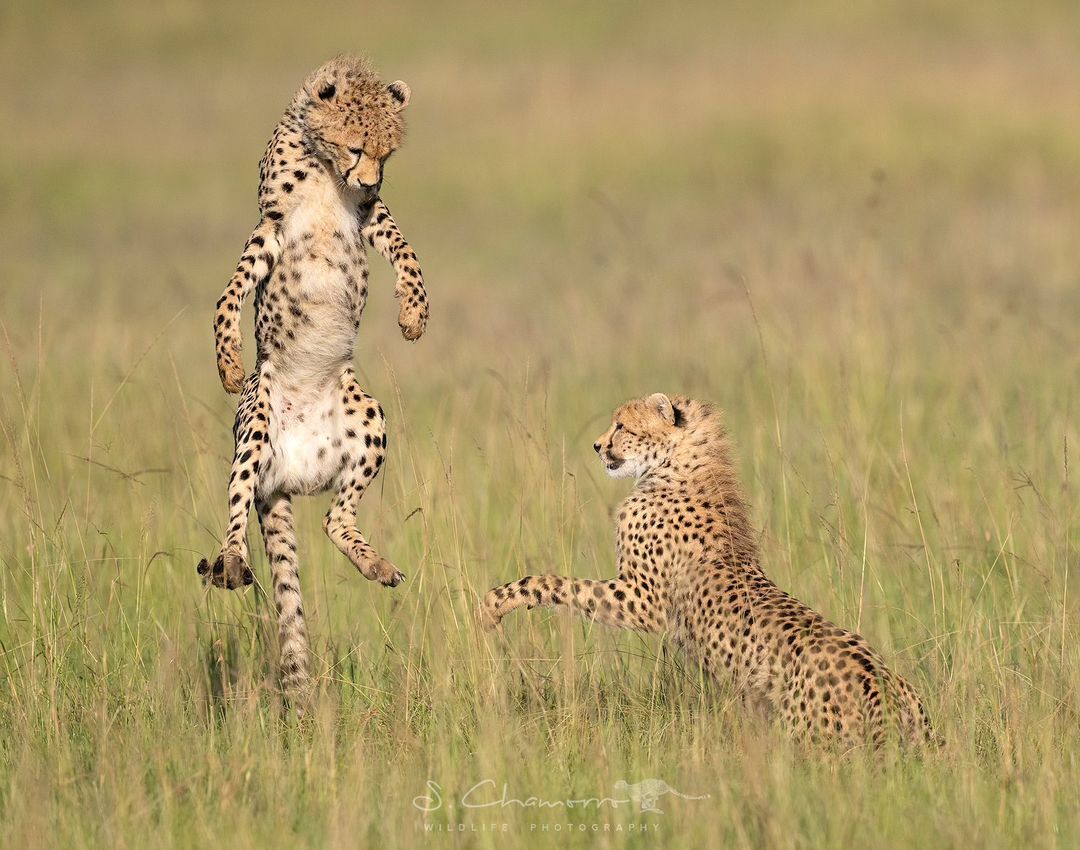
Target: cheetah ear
(399, 93)
(324, 88)
(663, 406)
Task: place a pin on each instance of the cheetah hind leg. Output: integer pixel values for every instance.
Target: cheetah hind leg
(365, 447)
(230, 569)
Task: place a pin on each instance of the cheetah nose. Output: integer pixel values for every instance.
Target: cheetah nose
(596, 447)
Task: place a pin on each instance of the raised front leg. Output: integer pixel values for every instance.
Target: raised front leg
(279, 538)
(618, 602)
(381, 231)
(363, 450)
(230, 569)
(261, 252)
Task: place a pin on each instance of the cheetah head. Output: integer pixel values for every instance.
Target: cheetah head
(352, 121)
(642, 437)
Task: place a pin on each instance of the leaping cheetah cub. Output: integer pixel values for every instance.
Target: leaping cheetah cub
(689, 567)
(304, 425)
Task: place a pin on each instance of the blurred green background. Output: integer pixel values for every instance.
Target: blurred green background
(853, 225)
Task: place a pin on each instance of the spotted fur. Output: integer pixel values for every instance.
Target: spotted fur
(304, 425)
(689, 567)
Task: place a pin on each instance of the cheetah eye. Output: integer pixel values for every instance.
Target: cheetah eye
(327, 91)
(618, 426)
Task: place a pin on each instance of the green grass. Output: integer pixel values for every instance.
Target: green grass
(853, 226)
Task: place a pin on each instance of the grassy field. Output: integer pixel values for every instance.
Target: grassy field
(855, 226)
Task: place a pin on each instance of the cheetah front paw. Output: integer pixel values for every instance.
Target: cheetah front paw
(413, 314)
(488, 613)
(230, 570)
(231, 370)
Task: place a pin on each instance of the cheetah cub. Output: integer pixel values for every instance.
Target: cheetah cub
(304, 425)
(689, 566)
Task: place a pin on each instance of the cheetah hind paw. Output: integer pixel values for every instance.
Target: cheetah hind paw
(229, 571)
(378, 569)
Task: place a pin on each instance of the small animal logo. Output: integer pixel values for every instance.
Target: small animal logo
(649, 791)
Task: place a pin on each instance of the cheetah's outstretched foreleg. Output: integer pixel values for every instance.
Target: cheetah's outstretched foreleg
(615, 602)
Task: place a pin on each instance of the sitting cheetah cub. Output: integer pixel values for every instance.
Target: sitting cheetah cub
(689, 567)
(304, 425)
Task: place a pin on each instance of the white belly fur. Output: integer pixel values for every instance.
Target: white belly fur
(305, 433)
